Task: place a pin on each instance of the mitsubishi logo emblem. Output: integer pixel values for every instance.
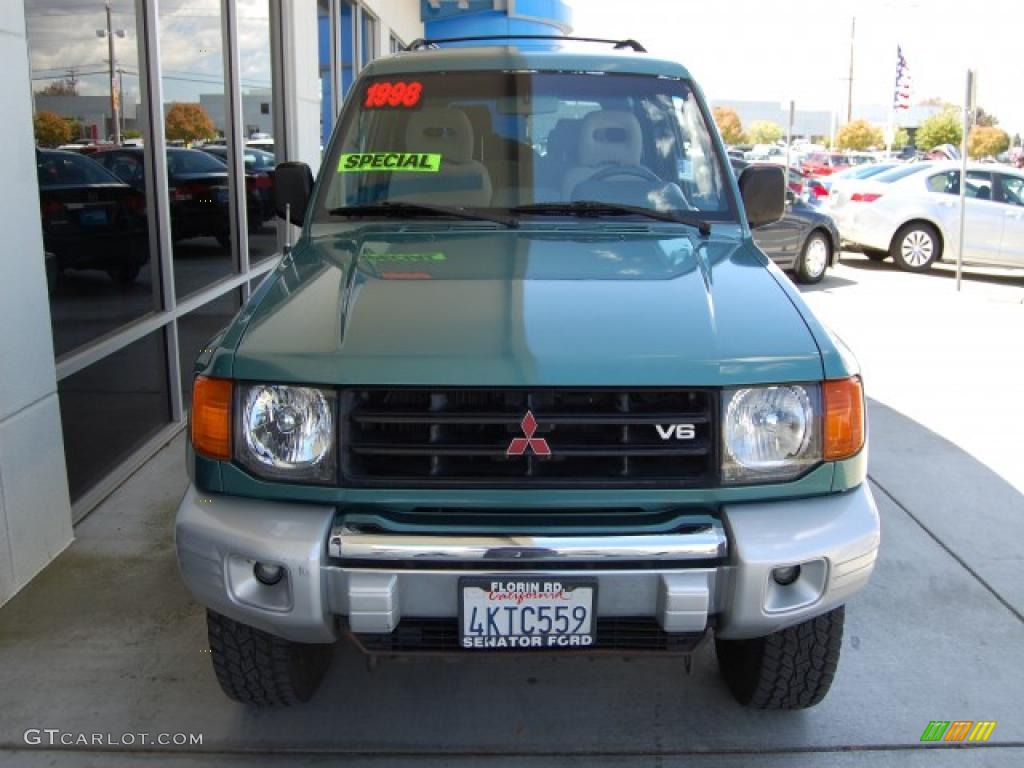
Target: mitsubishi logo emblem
(519, 445)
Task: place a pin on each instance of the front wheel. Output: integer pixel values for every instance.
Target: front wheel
(916, 246)
(789, 669)
(255, 667)
(814, 259)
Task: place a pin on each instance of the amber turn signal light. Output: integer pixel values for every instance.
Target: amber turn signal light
(844, 418)
(211, 417)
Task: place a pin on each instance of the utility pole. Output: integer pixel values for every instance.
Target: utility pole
(114, 117)
(849, 82)
(120, 94)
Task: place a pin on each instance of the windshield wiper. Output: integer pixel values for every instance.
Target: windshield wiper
(399, 208)
(597, 207)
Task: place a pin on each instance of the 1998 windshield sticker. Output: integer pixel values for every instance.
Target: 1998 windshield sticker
(364, 162)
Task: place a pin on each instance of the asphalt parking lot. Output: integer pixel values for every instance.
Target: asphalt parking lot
(107, 641)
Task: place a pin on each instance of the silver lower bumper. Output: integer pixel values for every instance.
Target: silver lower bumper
(374, 579)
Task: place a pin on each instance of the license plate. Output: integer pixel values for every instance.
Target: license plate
(526, 613)
(92, 217)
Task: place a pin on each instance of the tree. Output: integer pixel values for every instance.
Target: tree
(985, 119)
(859, 134)
(941, 128)
(131, 133)
(764, 132)
(900, 139)
(51, 129)
(188, 122)
(729, 125)
(60, 88)
(987, 141)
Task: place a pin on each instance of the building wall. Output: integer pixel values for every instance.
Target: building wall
(399, 16)
(35, 514)
(302, 83)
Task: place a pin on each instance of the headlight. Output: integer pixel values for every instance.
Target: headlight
(287, 432)
(770, 433)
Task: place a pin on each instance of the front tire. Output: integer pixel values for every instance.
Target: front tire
(814, 259)
(916, 246)
(789, 669)
(255, 667)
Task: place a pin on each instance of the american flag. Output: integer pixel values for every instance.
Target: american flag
(901, 94)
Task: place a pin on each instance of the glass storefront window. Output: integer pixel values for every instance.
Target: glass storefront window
(197, 328)
(257, 112)
(370, 39)
(109, 409)
(347, 45)
(99, 268)
(327, 110)
(192, 63)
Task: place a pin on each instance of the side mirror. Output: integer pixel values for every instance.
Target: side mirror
(293, 185)
(763, 189)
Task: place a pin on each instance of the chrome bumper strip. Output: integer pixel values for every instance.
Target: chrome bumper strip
(349, 543)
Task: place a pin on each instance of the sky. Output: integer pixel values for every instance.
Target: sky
(800, 49)
(736, 49)
(62, 34)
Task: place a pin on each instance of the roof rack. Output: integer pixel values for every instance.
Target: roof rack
(422, 43)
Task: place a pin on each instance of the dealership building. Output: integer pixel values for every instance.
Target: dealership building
(102, 321)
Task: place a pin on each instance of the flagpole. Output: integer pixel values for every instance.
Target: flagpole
(891, 133)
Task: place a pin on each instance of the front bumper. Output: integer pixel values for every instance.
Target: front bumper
(717, 571)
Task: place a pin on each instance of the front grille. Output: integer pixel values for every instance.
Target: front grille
(597, 437)
(612, 634)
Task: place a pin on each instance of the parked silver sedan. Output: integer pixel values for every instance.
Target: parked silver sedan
(915, 217)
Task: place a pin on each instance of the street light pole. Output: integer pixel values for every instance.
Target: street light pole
(113, 79)
(849, 82)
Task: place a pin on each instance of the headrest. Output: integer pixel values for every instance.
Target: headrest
(563, 138)
(446, 131)
(610, 136)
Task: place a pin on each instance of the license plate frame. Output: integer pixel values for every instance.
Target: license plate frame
(549, 641)
(93, 217)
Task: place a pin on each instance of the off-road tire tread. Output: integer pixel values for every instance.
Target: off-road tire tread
(789, 669)
(255, 667)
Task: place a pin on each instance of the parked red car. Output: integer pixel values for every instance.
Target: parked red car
(824, 163)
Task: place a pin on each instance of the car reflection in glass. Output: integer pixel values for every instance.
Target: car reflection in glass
(91, 219)
(198, 186)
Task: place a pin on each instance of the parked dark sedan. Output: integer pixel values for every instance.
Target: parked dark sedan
(198, 185)
(259, 176)
(805, 241)
(91, 219)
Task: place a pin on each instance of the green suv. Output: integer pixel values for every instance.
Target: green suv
(526, 384)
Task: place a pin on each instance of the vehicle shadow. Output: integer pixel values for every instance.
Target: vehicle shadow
(829, 282)
(941, 271)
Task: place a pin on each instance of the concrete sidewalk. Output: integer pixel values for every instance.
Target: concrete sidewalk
(106, 640)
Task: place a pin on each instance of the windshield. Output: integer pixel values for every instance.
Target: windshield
(506, 139)
(57, 168)
(900, 172)
(192, 161)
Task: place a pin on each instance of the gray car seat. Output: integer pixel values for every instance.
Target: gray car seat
(607, 137)
(461, 180)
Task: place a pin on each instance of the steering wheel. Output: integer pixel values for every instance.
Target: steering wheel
(637, 171)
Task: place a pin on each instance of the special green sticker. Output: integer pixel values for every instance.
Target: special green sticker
(365, 162)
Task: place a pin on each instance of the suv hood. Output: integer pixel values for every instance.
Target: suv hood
(465, 306)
